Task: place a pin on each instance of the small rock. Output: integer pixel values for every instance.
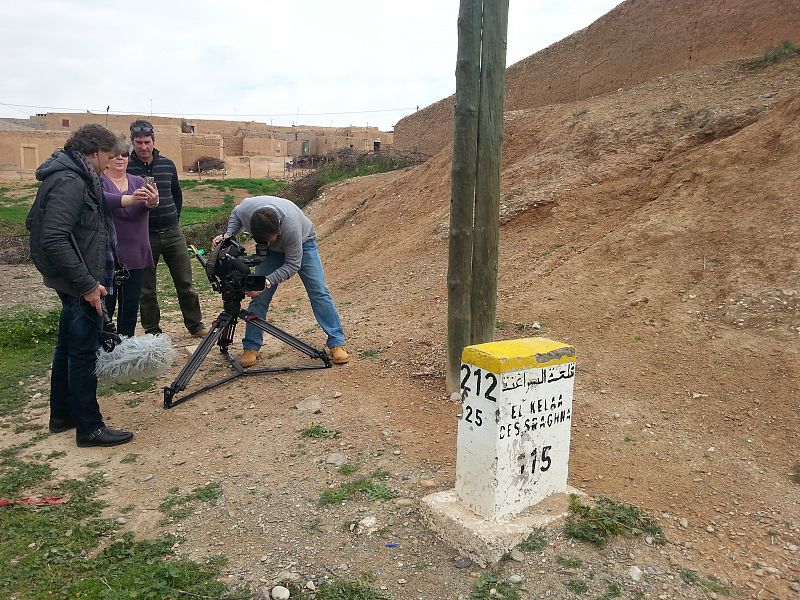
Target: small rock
(310, 585)
(635, 573)
(287, 577)
(517, 555)
(337, 394)
(262, 593)
(696, 395)
(515, 579)
(710, 529)
(462, 562)
(795, 586)
(280, 593)
(404, 502)
(367, 524)
(683, 522)
(766, 95)
(427, 482)
(312, 404)
(711, 449)
(648, 540)
(455, 397)
(336, 459)
(122, 520)
(190, 350)
(402, 581)
(396, 452)
(149, 477)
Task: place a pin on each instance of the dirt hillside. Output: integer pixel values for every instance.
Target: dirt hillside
(635, 42)
(656, 229)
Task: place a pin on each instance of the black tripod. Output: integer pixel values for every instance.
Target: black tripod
(221, 334)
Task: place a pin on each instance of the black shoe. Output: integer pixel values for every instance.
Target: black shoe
(153, 331)
(60, 425)
(105, 436)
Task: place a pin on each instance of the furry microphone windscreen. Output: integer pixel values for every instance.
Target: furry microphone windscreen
(135, 358)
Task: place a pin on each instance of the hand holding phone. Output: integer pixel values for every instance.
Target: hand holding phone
(149, 180)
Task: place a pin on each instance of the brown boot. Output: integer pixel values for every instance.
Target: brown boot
(339, 355)
(249, 358)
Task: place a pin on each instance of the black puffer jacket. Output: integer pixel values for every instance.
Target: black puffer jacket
(68, 207)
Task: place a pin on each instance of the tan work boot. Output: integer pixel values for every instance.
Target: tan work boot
(339, 355)
(249, 358)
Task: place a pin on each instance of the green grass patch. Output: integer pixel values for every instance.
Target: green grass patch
(370, 352)
(607, 518)
(27, 339)
(614, 591)
(490, 586)
(535, 542)
(255, 187)
(318, 431)
(341, 589)
(178, 506)
(363, 487)
(796, 474)
(708, 583)
(347, 469)
(569, 562)
(129, 458)
(774, 55)
(577, 586)
(45, 554)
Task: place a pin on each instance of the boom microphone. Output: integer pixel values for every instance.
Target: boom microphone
(122, 359)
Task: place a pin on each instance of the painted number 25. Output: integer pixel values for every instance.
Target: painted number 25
(490, 382)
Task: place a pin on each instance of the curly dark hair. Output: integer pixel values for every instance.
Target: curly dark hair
(91, 138)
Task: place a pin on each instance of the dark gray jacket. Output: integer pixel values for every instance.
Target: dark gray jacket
(67, 208)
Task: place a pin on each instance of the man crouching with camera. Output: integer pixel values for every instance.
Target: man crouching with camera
(292, 241)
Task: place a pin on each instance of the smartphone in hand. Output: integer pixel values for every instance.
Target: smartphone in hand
(149, 180)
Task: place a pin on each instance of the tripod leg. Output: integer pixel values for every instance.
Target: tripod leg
(285, 337)
(224, 324)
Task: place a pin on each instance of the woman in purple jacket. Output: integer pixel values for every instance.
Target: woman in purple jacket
(130, 200)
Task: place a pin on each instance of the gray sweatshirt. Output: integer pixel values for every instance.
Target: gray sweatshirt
(296, 229)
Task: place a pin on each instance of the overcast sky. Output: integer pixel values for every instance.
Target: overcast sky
(311, 62)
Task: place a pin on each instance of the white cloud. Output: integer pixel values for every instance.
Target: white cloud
(250, 59)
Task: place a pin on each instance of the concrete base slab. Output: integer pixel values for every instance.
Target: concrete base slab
(486, 541)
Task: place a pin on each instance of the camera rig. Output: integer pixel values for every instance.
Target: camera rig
(228, 269)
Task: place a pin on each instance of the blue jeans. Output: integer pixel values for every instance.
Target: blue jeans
(128, 295)
(313, 279)
(73, 385)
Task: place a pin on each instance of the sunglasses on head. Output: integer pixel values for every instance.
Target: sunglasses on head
(145, 129)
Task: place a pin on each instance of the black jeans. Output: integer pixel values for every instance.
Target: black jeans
(128, 295)
(73, 385)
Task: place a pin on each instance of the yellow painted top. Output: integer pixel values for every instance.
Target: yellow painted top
(516, 355)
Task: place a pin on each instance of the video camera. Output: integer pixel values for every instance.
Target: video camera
(228, 268)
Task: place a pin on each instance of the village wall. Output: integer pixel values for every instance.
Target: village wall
(26, 150)
(194, 146)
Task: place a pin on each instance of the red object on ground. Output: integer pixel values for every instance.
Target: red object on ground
(33, 501)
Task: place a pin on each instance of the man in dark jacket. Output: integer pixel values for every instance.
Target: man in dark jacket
(166, 237)
(73, 247)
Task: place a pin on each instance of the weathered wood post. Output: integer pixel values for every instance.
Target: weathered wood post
(485, 247)
(462, 185)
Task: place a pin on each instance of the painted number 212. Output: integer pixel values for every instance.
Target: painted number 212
(490, 382)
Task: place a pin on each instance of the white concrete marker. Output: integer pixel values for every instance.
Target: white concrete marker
(514, 432)
(512, 447)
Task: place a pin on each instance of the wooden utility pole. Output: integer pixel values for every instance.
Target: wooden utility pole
(475, 185)
(462, 186)
(485, 248)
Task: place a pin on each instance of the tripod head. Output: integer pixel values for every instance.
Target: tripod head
(228, 269)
